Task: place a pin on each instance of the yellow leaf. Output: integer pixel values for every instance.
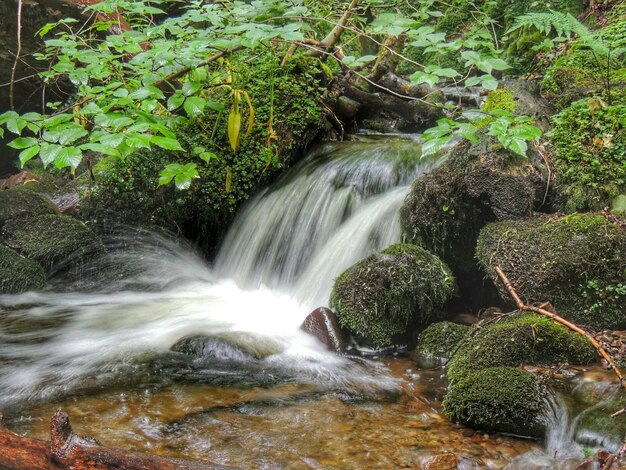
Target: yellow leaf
(234, 128)
(251, 112)
(594, 104)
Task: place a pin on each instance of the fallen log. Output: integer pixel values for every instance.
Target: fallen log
(67, 450)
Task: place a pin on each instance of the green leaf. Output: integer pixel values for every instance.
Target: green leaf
(22, 142)
(194, 106)
(182, 175)
(433, 146)
(516, 145)
(27, 154)
(68, 156)
(72, 134)
(175, 101)
(48, 153)
(166, 143)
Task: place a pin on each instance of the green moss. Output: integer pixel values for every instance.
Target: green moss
(53, 240)
(384, 294)
(288, 95)
(499, 100)
(520, 339)
(18, 274)
(22, 200)
(498, 399)
(441, 339)
(572, 262)
(589, 148)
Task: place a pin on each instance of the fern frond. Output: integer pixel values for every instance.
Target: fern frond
(563, 24)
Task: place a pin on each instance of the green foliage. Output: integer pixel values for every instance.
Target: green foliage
(286, 100)
(589, 140)
(384, 294)
(520, 339)
(18, 274)
(132, 89)
(441, 339)
(563, 24)
(561, 257)
(498, 399)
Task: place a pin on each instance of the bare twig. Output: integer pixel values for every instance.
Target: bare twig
(17, 55)
(522, 306)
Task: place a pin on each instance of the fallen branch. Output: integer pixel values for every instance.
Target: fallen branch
(67, 450)
(520, 305)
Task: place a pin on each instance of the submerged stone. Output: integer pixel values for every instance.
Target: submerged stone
(577, 263)
(387, 294)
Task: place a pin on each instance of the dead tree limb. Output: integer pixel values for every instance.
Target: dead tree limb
(520, 305)
(333, 36)
(67, 450)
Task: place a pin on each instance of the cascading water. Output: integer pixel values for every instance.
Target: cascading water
(337, 206)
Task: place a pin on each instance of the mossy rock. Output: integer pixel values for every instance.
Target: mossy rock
(127, 190)
(387, 294)
(589, 147)
(55, 241)
(441, 339)
(18, 274)
(22, 200)
(479, 183)
(498, 399)
(519, 339)
(577, 262)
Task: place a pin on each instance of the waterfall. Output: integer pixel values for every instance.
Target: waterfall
(336, 207)
(277, 263)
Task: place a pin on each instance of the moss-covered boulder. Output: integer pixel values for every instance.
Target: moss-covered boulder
(498, 399)
(578, 263)
(440, 339)
(23, 200)
(288, 97)
(479, 183)
(53, 240)
(387, 294)
(18, 274)
(520, 339)
(589, 142)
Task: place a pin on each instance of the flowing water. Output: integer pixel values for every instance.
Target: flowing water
(264, 394)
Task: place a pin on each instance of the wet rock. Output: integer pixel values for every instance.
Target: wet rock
(383, 297)
(441, 462)
(236, 346)
(22, 201)
(55, 241)
(577, 262)
(207, 346)
(18, 274)
(440, 339)
(498, 399)
(324, 325)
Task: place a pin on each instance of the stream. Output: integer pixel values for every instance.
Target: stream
(263, 394)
